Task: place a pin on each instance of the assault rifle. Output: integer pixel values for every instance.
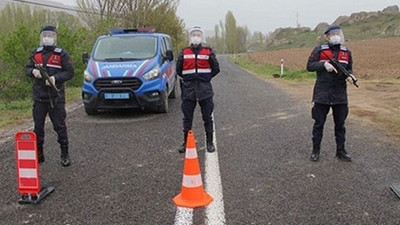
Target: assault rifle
(46, 76)
(339, 66)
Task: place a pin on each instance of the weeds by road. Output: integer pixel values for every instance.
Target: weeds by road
(17, 112)
(270, 71)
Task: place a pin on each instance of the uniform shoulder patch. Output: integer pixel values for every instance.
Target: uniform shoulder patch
(58, 50)
(186, 50)
(39, 49)
(208, 48)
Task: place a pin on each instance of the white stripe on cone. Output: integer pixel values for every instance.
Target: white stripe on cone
(191, 153)
(192, 181)
(27, 155)
(27, 173)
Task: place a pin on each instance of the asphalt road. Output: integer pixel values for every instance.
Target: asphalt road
(126, 169)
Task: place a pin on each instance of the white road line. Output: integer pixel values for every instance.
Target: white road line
(183, 216)
(215, 213)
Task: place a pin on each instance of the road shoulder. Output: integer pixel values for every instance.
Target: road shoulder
(8, 132)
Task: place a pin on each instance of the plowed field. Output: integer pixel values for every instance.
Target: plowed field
(378, 58)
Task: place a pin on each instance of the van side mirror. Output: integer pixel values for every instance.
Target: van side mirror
(85, 57)
(169, 55)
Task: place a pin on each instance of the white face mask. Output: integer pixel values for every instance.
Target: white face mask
(335, 39)
(195, 40)
(48, 41)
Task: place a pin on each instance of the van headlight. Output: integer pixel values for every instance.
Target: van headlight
(87, 77)
(152, 74)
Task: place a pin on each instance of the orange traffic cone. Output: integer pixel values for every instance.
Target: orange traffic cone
(192, 193)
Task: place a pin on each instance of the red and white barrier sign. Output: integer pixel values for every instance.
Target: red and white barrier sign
(27, 163)
(28, 169)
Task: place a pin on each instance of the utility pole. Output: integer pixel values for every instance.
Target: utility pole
(297, 20)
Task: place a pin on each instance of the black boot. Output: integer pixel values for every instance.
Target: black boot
(210, 142)
(210, 147)
(315, 153)
(40, 154)
(182, 148)
(342, 154)
(65, 161)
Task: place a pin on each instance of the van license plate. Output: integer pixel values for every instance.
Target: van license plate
(116, 95)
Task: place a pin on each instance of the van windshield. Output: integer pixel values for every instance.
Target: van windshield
(125, 48)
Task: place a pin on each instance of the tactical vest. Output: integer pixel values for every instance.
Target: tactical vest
(199, 65)
(54, 60)
(326, 54)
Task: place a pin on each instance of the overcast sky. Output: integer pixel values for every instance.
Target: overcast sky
(267, 15)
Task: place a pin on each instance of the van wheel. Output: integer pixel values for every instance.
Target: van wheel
(90, 111)
(174, 92)
(163, 108)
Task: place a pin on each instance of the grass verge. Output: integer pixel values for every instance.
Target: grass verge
(16, 112)
(270, 71)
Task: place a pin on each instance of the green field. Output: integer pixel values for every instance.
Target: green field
(268, 71)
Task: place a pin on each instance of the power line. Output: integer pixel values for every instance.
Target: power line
(55, 7)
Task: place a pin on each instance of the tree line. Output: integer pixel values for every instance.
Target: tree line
(229, 38)
(19, 35)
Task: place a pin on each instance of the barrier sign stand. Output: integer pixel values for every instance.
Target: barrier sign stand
(28, 169)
